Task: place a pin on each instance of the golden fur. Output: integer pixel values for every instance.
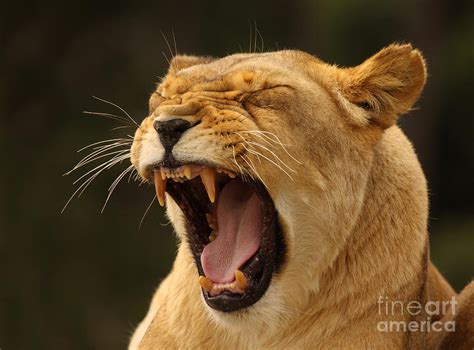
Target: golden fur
(348, 188)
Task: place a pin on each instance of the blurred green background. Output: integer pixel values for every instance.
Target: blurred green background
(83, 280)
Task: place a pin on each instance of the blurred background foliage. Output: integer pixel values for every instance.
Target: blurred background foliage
(83, 280)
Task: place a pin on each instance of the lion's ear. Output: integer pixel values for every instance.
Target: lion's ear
(387, 84)
(180, 62)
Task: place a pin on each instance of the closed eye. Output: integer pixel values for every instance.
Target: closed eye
(274, 97)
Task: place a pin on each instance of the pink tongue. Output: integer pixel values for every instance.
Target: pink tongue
(239, 218)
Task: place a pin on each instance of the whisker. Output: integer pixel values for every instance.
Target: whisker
(271, 161)
(265, 134)
(70, 198)
(167, 224)
(92, 177)
(257, 155)
(114, 185)
(131, 174)
(95, 154)
(106, 163)
(249, 173)
(167, 43)
(272, 144)
(98, 143)
(104, 148)
(166, 58)
(255, 170)
(94, 159)
(122, 127)
(120, 108)
(262, 134)
(235, 161)
(146, 212)
(110, 116)
(261, 37)
(267, 149)
(124, 142)
(117, 180)
(273, 153)
(255, 38)
(174, 42)
(87, 158)
(137, 177)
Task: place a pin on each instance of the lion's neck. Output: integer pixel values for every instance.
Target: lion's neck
(385, 254)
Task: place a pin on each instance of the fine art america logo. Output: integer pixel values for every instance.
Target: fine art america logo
(419, 317)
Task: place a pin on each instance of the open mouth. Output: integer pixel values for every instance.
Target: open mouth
(233, 231)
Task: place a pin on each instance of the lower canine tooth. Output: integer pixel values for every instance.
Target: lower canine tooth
(205, 283)
(208, 177)
(240, 279)
(212, 236)
(211, 221)
(160, 187)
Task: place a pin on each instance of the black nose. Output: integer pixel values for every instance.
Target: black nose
(170, 131)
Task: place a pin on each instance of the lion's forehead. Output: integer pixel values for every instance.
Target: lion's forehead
(240, 72)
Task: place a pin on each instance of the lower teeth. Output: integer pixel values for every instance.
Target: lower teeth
(238, 286)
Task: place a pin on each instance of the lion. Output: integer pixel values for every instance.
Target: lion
(299, 204)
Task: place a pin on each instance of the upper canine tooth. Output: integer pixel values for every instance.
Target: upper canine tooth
(188, 172)
(208, 177)
(240, 279)
(206, 283)
(160, 187)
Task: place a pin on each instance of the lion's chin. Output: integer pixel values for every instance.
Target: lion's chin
(232, 229)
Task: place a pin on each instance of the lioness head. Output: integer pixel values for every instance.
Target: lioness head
(263, 159)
